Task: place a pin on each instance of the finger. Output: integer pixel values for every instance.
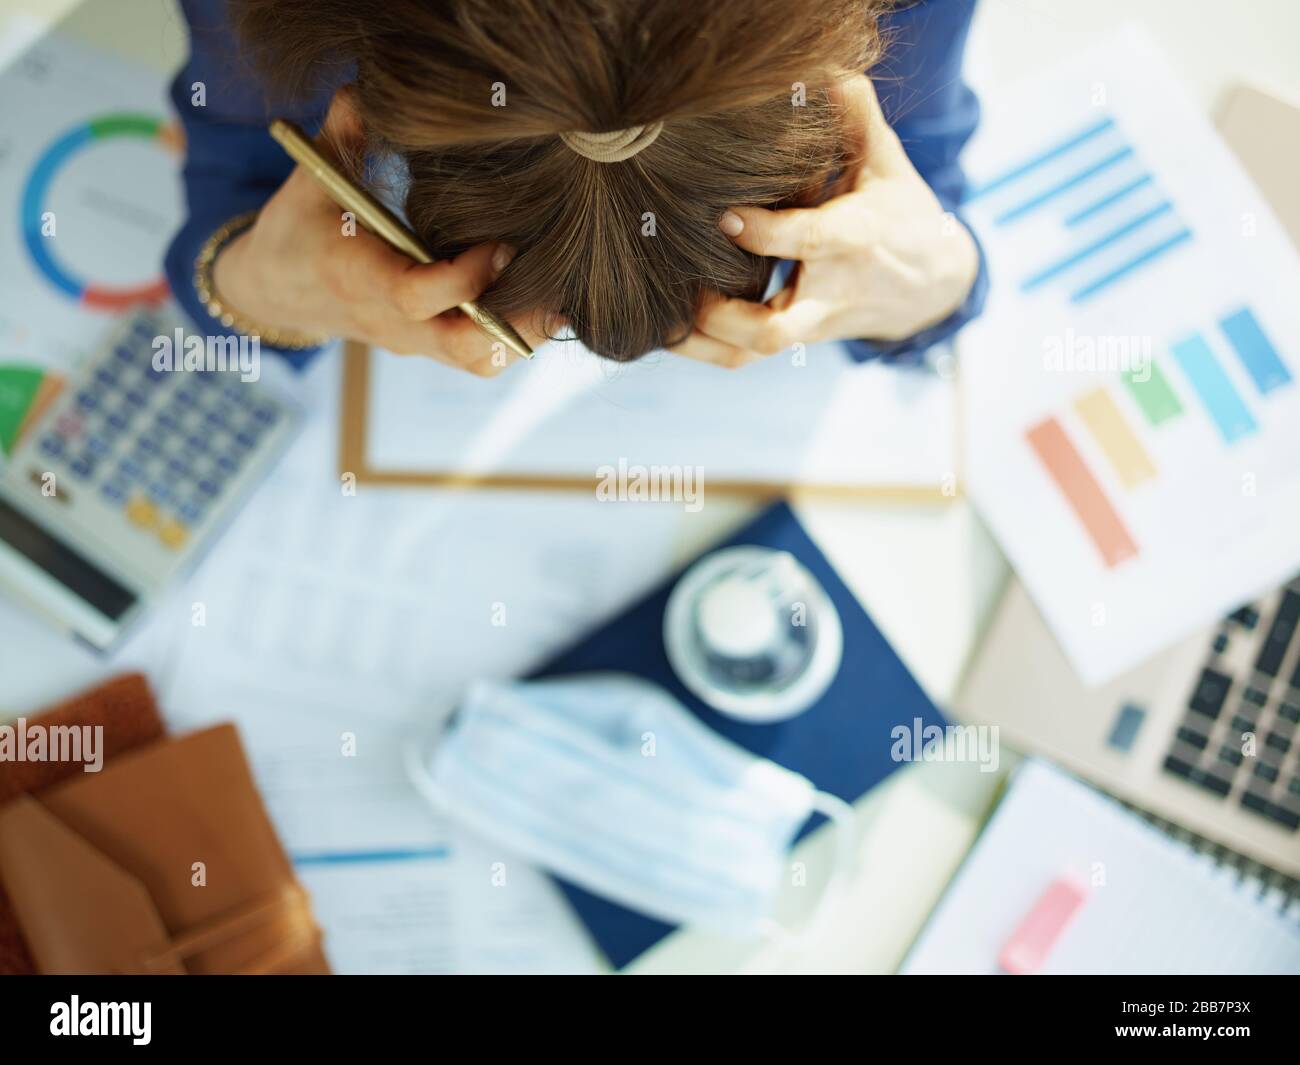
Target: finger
(342, 135)
(758, 327)
(869, 138)
(796, 233)
(474, 350)
(704, 348)
(419, 291)
(457, 342)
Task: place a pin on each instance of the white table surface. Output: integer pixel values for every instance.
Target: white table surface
(927, 574)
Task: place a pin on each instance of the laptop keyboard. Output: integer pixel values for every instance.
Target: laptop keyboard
(1239, 737)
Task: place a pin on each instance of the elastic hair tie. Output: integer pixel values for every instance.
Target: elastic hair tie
(615, 146)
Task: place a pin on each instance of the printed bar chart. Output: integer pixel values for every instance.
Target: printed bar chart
(1132, 396)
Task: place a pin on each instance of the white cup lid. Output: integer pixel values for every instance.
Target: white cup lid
(737, 618)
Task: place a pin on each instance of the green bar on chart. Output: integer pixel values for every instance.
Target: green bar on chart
(1153, 394)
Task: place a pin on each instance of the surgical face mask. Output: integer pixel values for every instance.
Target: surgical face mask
(610, 783)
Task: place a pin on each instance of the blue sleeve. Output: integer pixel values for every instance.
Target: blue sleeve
(934, 113)
(231, 163)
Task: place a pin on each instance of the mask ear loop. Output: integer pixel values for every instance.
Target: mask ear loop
(844, 820)
(414, 755)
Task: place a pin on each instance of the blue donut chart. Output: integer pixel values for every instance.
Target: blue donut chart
(36, 192)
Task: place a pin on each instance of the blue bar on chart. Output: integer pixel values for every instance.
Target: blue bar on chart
(1255, 350)
(1214, 388)
(1144, 257)
(1108, 200)
(1071, 182)
(1032, 164)
(1104, 241)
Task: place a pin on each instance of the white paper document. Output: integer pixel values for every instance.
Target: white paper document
(809, 415)
(335, 629)
(1130, 396)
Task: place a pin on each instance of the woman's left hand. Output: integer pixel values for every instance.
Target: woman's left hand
(882, 260)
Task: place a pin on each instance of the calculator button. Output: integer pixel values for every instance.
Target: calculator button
(105, 376)
(148, 445)
(68, 424)
(191, 511)
(124, 354)
(117, 420)
(114, 490)
(52, 444)
(265, 414)
(209, 487)
(142, 512)
(228, 464)
(82, 466)
(173, 534)
(96, 445)
(131, 469)
(87, 400)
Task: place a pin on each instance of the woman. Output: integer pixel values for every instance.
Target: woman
(611, 165)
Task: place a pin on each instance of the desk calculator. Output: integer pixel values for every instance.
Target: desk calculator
(127, 478)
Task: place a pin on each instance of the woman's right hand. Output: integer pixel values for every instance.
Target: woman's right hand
(301, 268)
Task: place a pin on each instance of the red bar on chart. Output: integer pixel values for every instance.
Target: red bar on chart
(1081, 490)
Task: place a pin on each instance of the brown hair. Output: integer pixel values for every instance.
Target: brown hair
(473, 95)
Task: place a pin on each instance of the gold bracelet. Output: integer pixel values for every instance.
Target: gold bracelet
(227, 315)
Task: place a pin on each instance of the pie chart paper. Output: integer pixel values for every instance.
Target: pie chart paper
(89, 177)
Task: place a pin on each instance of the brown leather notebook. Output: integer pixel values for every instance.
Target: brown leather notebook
(163, 862)
(126, 709)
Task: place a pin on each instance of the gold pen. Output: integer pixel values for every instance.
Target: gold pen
(384, 224)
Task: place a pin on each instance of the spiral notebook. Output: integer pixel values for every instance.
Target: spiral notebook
(1136, 900)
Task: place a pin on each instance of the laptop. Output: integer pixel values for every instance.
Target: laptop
(1206, 734)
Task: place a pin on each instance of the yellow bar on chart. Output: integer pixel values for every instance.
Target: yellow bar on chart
(1112, 432)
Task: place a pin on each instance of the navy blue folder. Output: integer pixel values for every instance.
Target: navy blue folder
(842, 743)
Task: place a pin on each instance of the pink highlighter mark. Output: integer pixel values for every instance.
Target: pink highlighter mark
(1032, 942)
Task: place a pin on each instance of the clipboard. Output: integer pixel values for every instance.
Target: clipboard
(355, 458)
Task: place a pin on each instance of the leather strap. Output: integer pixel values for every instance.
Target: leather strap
(290, 905)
